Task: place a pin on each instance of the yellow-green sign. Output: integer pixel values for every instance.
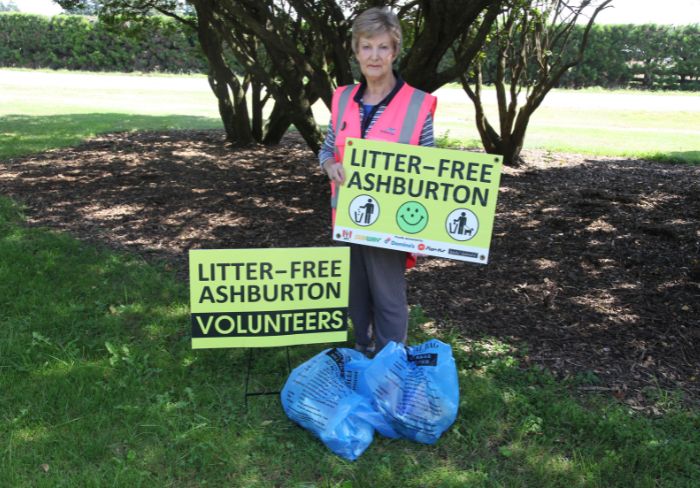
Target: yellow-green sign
(268, 297)
(438, 202)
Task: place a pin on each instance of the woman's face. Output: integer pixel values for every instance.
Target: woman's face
(375, 56)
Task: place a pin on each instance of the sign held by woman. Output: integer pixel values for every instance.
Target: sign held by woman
(438, 202)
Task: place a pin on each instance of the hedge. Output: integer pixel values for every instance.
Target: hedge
(640, 56)
(629, 56)
(80, 43)
(618, 56)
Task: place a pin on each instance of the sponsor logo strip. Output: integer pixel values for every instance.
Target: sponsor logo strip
(421, 246)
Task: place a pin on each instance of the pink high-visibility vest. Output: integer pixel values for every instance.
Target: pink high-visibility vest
(401, 121)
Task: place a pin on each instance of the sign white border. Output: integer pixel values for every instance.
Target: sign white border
(426, 247)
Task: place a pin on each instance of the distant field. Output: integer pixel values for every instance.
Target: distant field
(627, 123)
(40, 110)
(43, 109)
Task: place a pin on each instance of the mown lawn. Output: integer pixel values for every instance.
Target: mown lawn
(99, 386)
(40, 108)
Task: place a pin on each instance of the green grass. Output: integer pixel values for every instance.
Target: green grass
(596, 131)
(48, 92)
(598, 141)
(22, 134)
(43, 109)
(596, 89)
(99, 387)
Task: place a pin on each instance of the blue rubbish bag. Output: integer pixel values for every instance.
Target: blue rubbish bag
(342, 397)
(414, 388)
(317, 397)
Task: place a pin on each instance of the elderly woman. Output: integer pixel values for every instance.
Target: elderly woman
(382, 107)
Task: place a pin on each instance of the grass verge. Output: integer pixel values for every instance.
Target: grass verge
(40, 109)
(99, 386)
(23, 134)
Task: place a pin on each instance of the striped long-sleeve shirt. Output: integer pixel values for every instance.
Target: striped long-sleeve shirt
(427, 138)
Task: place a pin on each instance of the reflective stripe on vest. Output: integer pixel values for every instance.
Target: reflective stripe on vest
(339, 107)
(342, 105)
(401, 120)
(410, 120)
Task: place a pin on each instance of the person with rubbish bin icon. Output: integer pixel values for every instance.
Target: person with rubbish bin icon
(368, 210)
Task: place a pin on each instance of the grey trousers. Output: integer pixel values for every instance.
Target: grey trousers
(378, 305)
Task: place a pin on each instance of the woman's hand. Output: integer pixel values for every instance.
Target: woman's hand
(334, 171)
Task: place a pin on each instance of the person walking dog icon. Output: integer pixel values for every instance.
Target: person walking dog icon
(461, 221)
(462, 224)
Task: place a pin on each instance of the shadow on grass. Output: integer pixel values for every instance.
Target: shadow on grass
(99, 386)
(23, 134)
(592, 261)
(678, 157)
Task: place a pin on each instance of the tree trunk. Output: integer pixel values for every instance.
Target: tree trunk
(257, 109)
(526, 41)
(276, 125)
(218, 86)
(234, 113)
(490, 139)
(242, 136)
(511, 154)
(307, 127)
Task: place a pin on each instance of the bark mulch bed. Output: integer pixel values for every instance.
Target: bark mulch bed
(595, 262)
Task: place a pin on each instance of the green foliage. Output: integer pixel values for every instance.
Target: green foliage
(448, 142)
(628, 56)
(101, 388)
(639, 56)
(80, 43)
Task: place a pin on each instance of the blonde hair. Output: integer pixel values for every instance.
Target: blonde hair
(377, 20)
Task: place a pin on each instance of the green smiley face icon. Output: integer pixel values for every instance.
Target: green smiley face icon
(412, 217)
